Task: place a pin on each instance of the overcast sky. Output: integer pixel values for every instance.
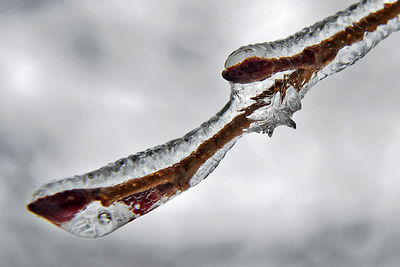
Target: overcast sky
(83, 83)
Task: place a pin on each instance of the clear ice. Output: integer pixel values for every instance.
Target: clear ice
(97, 220)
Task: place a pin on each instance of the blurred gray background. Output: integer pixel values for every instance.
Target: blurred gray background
(83, 83)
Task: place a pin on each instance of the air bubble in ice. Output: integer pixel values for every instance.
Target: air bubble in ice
(104, 217)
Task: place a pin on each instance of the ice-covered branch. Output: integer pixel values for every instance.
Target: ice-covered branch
(268, 81)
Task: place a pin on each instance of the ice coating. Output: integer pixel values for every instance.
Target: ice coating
(146, 162)
(99, 202)
(308, 36)
(313, 47)
(94, 215)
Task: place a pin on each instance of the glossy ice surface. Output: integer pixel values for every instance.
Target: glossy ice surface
(82, 205)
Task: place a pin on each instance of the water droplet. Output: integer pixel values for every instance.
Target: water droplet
(270, 132)
(290, 123)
